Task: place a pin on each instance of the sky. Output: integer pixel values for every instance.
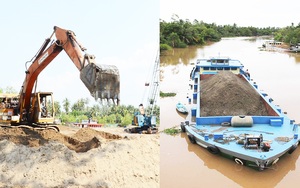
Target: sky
(256, 13)
(120, 33)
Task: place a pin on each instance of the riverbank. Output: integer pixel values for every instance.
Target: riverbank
(106, 157)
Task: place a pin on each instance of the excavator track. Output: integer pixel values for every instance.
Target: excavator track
(33, 127)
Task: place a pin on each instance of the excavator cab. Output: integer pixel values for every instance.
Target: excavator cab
(42, 108)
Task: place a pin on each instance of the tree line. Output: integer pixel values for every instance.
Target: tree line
(180, 33)
(103, 114)
(289, 34)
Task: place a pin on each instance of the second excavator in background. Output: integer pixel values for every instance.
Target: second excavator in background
(144, 120)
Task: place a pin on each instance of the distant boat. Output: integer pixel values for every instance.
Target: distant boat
(181, 108)
(271, 43)
(294, 48)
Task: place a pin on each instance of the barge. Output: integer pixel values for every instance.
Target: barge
(232, 117)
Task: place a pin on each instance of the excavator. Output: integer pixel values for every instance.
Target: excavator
(36, 109)
(144, 120)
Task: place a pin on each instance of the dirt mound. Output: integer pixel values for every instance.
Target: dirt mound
(225, 94)
(85, 133)
(31, 158)
(84, 139)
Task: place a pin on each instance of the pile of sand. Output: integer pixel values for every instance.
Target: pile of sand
(224, 94)
(78, 158)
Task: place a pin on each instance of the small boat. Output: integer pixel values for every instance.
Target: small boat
(294, 48)
(271, 43)
(230, 116)
(181, 108)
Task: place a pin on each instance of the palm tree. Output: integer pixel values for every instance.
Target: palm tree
(66, 105)
(57, 107)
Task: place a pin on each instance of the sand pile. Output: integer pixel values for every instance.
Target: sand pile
(84, 140)
(87, 158)
(224, 94)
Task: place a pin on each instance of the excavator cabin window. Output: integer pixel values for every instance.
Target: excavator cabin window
(46, 105)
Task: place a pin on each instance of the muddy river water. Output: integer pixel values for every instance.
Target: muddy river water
(183, 164)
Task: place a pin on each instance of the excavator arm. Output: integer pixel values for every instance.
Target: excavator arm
(102, 81)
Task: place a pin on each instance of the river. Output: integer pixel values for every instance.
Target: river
(183, 164)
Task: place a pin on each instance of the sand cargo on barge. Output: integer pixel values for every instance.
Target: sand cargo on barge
(232, 117)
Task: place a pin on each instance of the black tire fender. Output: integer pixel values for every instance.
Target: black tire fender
(182, 128)
(292, 149)
(192, 139)
(213, 149)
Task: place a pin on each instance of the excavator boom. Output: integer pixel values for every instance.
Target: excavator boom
(103, 81)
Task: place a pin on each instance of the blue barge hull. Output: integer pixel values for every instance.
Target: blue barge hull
(252, 140)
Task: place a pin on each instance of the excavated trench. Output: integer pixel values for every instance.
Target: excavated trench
(83, 140)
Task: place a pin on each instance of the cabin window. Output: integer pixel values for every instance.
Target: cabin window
(226, 68)
(213, 68)
(220, 68)
(8, 102)
(233, 68)
(205, 68)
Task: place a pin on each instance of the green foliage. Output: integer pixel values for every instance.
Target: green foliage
(180, 33)
(66, 118)
(103, 114)
(66, 105)
(57, 107)
(8, 89)
(80, 105)
(121, 115)
(126, 120)
(290, 34)
(165, 47)
(162, 94)
(156, 110)
(172, 131)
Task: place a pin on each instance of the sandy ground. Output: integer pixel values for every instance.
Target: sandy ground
(106, 157)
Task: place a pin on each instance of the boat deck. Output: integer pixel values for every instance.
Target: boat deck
(226, 137)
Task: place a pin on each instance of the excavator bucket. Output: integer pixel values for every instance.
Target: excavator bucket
(103, 81)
